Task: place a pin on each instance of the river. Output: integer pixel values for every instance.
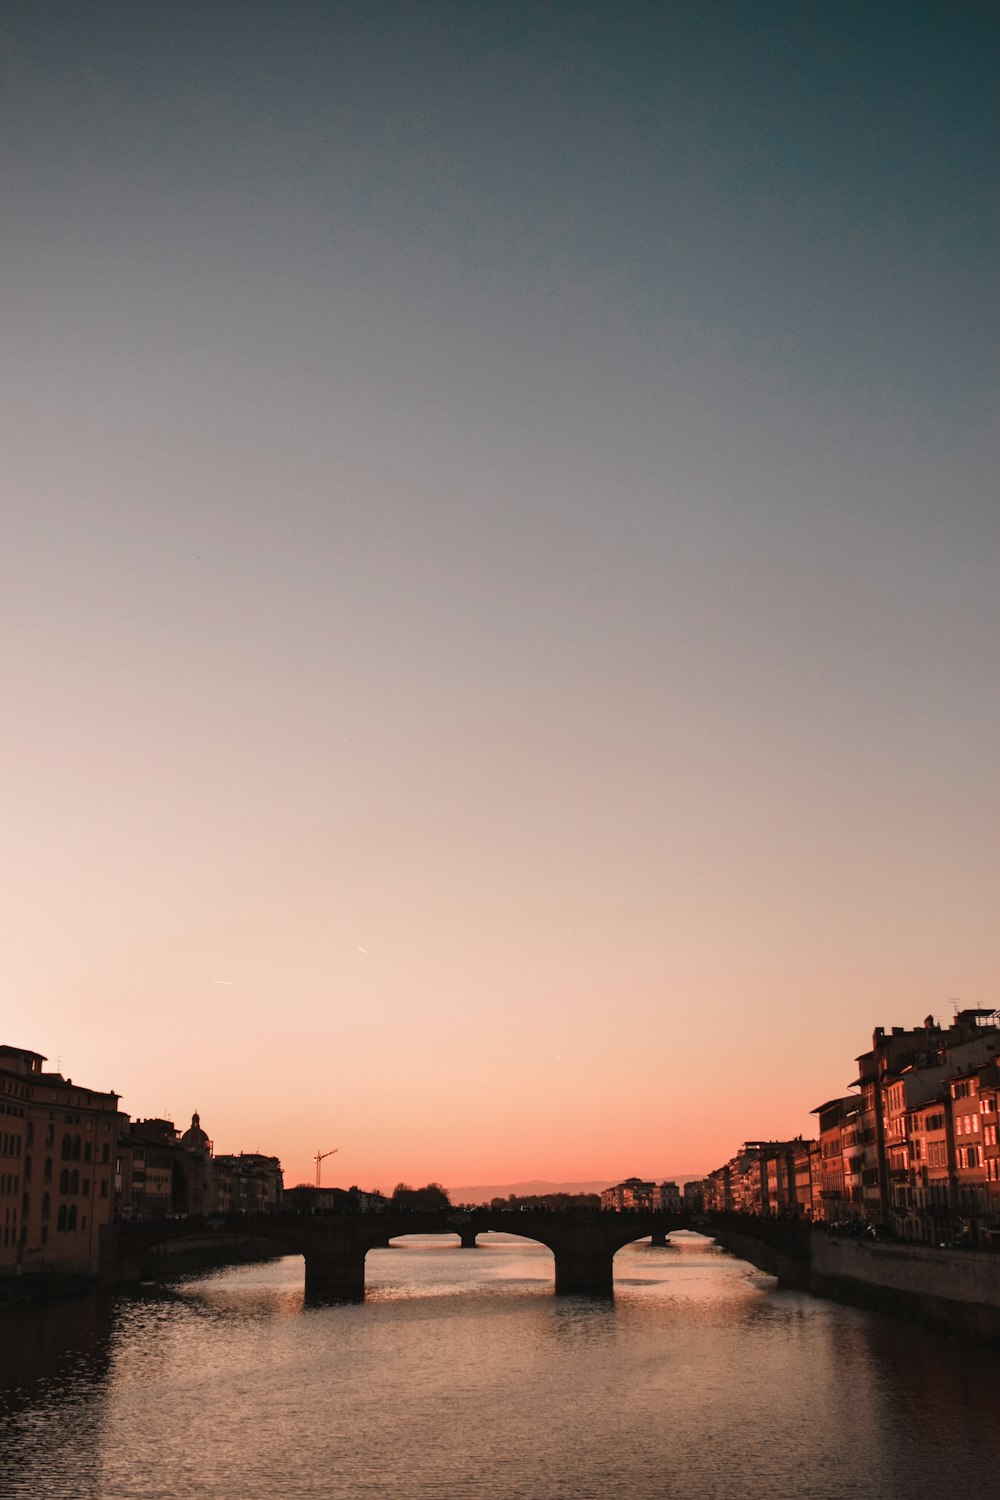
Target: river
(462, 1374)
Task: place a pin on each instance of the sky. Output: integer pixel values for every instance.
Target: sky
(498, 566)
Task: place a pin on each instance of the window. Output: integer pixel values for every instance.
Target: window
(61, 1219)
(64, 1181)
(47, 1174)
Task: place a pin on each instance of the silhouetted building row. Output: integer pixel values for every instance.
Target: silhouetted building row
(71, 1162)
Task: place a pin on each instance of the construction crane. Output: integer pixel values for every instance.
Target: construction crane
(320, 1158)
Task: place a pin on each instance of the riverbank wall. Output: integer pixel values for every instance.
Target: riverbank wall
(189, 1256)
(956, 1290)
(195, 1253)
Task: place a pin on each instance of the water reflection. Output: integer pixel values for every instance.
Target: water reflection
(55, 1361)
(463, 1374)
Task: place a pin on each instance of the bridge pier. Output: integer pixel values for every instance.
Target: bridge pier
(584, 1273)
(468, 1237)
(335, 1278)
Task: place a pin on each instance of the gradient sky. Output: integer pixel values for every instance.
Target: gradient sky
(499, 565)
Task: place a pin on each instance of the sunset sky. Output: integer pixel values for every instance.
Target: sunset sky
(499, 565)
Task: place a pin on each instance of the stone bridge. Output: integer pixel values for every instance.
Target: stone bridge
(583, 1244)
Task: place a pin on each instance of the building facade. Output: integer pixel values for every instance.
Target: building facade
(61, 1158)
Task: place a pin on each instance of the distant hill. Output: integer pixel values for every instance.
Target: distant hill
(483, 1194)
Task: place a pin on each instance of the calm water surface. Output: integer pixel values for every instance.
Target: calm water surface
(463, 1375)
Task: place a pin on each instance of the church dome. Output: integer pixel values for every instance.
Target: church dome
(196, 1139)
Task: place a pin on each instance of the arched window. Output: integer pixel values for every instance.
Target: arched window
(46, 1206)
(27, 1169)
(65, 1148)
(64, 1181)
(76, 1148)
(47, 1174)
(71, 1217)
(74, 1181)
(61, 1220)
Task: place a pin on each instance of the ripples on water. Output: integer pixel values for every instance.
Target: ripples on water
(463, 1375)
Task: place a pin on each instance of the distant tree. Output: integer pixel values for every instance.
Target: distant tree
(435, 1196)
(429, 1197)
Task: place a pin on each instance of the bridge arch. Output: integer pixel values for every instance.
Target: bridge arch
(126, 1246)
(466, 1237)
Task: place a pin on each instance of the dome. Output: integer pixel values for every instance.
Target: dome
(196, 1139)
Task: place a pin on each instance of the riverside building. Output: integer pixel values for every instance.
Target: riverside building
(58, 1170)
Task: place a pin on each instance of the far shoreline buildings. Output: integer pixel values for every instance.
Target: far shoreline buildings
(637, 1193)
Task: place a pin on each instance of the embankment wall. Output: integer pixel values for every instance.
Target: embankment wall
(958, 1290)
(194, 1253)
